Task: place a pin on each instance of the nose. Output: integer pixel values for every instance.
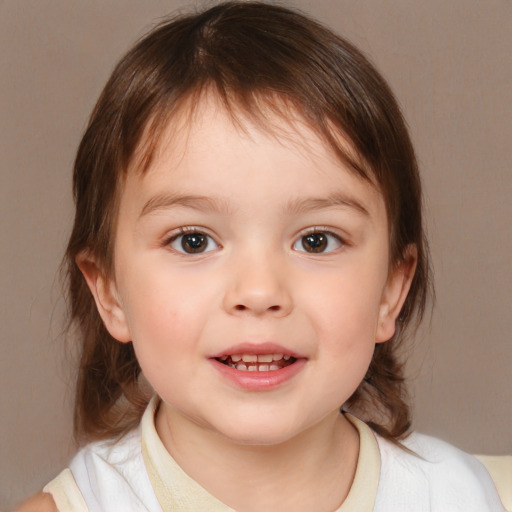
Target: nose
(258, 286)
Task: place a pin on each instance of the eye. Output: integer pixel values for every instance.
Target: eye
(318, 242)
(193, 242)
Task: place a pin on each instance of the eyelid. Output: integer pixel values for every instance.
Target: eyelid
(171, 237)
(323, 230)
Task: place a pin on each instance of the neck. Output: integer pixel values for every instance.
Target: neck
(282, 476)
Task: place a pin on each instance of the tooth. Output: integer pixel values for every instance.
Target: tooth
(236, 358)
(266, 358)
(241, 366)
(252, 368)
(273, 367)
(277, 357)
(249, 358)
(263, 368)
(224, 358)
(286, 358)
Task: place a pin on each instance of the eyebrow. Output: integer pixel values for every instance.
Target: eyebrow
(209, 204)
(197, 202)
(334, 200)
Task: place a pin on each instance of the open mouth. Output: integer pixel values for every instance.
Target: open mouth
(257, 363)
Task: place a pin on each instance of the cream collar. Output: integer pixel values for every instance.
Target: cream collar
(176, 491)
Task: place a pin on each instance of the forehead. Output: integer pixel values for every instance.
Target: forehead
(268, 112)
(207, 146)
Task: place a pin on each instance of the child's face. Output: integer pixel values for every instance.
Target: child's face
(234, 243)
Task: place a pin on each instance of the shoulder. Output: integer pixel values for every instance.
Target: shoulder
(112, 476)
(445, 477)
(114, 450)
(96, 470)
(105, 458)
(42, 502)
(437, 457)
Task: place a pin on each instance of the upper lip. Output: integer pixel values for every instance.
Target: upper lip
(256, 349)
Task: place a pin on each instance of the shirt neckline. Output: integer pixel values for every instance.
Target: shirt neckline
(176, 491)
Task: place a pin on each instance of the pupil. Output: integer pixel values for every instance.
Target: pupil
(314, 242)
(195, 242)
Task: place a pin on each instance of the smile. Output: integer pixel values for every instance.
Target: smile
(258, 367)
(257, 363)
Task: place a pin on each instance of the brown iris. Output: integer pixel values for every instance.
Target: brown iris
(314, 242)
(194, 242)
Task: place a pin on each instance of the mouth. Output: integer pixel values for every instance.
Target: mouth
(258, 367)
(257, 362)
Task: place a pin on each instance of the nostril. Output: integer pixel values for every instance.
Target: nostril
(241, 307)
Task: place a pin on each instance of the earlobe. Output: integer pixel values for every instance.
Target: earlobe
(105, 295)
(395, 293)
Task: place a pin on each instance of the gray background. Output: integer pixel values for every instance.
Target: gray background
(449, 63)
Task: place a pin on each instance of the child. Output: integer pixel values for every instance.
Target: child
(248, 250)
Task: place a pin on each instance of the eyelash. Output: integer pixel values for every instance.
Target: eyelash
(320, 231)
(189, 230)
(199, 232)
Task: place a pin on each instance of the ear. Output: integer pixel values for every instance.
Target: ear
(395, 293)
(105, 295)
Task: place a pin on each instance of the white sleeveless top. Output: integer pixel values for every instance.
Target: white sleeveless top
(137, 474)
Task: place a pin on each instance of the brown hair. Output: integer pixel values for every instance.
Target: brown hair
(252, 55)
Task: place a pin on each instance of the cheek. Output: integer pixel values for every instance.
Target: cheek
(164, 338)
(166, 315)
(157, 300)
(345, 322)
(349, 305)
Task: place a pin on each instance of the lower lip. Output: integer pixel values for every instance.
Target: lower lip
(259, 381)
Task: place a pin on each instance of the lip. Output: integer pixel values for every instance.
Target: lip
(257, 349)
(258, 381)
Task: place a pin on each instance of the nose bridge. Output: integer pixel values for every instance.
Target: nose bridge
(258, 283)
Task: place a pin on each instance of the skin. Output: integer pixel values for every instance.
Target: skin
(255, 282)
(42, 502)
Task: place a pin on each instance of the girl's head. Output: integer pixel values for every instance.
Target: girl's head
(282, 81)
